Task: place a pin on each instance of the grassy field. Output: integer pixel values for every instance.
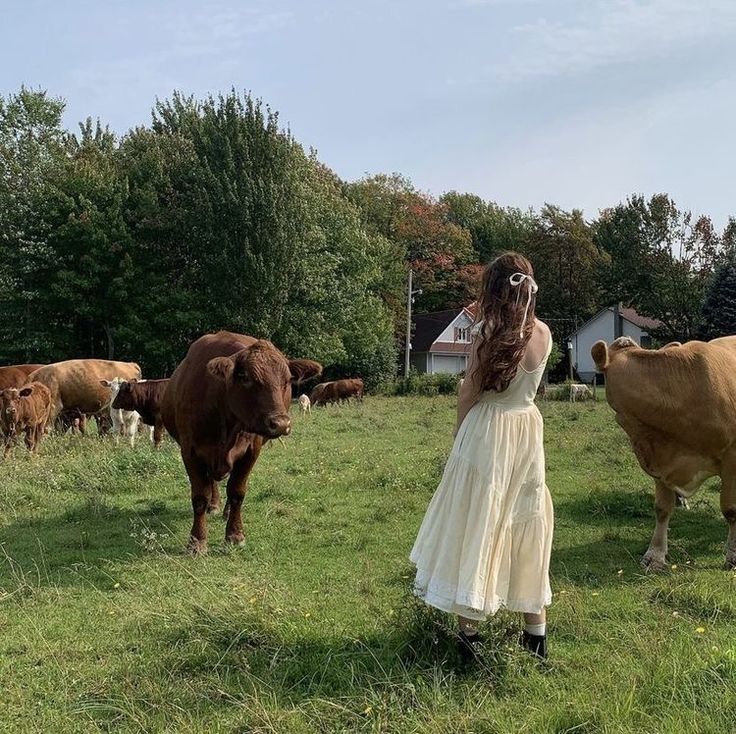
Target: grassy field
(106, 624)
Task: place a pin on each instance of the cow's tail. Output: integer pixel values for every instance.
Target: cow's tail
(599, 352)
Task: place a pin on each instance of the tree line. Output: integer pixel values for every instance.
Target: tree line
(213, 216)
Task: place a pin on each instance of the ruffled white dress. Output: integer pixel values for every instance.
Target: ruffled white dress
(486, 538)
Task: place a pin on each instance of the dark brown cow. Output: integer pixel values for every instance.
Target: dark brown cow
(24, 410)
(317, 396)
(338, 391)
(16, 375)
(229, 395)
(145, 397)
(71, 419)
(346, 389)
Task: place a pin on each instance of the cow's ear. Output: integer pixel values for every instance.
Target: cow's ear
(304, 369)
(221, 367)
(24, 392)
(105, 383)
(670, 345)
(599, 352)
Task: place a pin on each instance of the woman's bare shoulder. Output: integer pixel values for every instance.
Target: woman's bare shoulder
(541, 327)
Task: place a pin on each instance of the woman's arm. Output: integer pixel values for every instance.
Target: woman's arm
(471, 388)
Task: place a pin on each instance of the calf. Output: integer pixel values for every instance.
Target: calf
(145, 397)
(229, 395)
(579, 392)
(124, 422)
(304, 404)
(25, 410)
(71, 419)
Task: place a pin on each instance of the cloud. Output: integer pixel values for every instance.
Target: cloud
(606, 32)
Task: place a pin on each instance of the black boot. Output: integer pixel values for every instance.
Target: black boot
(468, 647)
(535, 644)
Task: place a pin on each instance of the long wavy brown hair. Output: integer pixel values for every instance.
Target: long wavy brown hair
(500, 315)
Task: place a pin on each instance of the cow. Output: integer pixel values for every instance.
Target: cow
(678, 408)
(24, 410)
(229, 395)
(71, 420)
(579, 392)
(316, 398)
(304, 404)
(346, 389)
(124, 422)
(76, 383)
(145, 397)
(16, 375)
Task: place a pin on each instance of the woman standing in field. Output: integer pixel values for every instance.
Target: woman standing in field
(486, 537)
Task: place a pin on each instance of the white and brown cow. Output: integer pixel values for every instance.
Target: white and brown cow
(678, 407)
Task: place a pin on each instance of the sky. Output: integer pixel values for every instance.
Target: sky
(573, 102)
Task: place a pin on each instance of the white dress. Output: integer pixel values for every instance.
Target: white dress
(486, 538)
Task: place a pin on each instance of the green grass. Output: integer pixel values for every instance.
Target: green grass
(106, 624)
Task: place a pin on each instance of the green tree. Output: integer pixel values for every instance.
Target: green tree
(660, 262)
(31, 151)
(566, 264)
(718, 314)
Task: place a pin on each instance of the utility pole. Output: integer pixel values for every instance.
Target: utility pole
(409, 300)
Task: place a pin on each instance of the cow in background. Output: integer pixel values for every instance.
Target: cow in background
(229, 395)
(76, 383)
(72, 420)
(16, 375)
(145, 397)
(24, 410)
(124, 422)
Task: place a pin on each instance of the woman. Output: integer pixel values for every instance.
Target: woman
(486, 537)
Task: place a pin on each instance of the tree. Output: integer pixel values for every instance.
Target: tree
(660, 262)
(31, 150)
(718, 314)
(493, 229)
(566, 264)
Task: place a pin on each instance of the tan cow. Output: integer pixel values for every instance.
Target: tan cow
(678, 408)
(76, 383)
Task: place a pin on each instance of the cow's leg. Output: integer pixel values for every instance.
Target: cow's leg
(131, 428)
(202, 487)
(236, 486)
(157, 435)
(655, 559)
(728, 508)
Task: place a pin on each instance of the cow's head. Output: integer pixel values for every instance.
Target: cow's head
(602, 354)
(258, 386)
(113, 385)
(10, 404)
(123, 396)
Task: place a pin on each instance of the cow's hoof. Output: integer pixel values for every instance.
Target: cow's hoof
(654, 562)
(196, 546)
(235, 538)
(682, 502)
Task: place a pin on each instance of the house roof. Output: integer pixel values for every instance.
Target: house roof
(428, 326)
(643, 322)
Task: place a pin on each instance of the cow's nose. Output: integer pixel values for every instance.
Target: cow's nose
(279, 425)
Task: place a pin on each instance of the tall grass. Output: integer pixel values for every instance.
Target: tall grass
(108, 625)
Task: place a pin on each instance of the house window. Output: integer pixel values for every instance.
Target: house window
(462, 334)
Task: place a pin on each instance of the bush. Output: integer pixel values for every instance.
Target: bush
(422, 384)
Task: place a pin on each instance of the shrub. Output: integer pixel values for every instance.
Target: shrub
(422, 384)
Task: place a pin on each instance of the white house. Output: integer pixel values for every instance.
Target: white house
(608, 324)
(441, 340)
